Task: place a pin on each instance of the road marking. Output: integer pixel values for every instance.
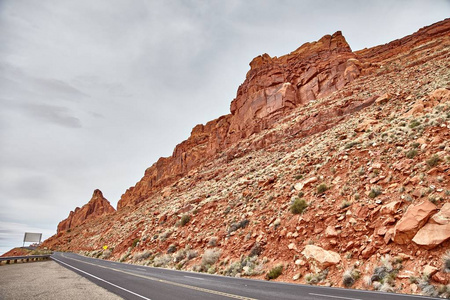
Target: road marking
(141, 269)
(330, 296)
(166, 281)
(194, 277)
(98, 278)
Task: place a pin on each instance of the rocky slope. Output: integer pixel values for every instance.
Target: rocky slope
(332, 164)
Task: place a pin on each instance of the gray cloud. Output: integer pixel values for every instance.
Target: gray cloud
(53, 114)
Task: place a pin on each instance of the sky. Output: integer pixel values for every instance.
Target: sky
(94, 92)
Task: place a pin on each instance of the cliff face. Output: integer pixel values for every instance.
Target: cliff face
(273, 87)
(96, 207)
(359, 140)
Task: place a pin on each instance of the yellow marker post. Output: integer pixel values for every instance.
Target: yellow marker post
(105, 247)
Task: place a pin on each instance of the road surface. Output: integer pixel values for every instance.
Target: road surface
(139, 282)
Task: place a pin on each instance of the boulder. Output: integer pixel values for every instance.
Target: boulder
(413, 219)
(323, 258)
(443, 216)
(300, 185)
(432, 235)
(390, 208)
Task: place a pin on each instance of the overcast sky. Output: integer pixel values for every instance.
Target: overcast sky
(94, 92)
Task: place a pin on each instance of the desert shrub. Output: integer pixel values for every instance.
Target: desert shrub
(106, 254)
(298, 206)
(210, 257)
(135, 242)
(141, 255)
(345, 204)
(414, 124)
(375, 192)
(256, 250)
(237, 225)
(172, 248)
(350, 276)
(233, 269)
(446, 262)
(384, 276)
(411, 153)
(321, 188)
(350, 145)
(184, 220)
(179, 256)
(212, 241)
(190, 254)
(162, 260)
(124, 257)
(317, 277)
(433, 161)
(275, 272)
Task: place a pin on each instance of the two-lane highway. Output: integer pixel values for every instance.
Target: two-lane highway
(139, 282)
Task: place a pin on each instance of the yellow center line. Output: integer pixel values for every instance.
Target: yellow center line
(166, 281)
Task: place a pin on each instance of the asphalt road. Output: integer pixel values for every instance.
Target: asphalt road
(139, 282)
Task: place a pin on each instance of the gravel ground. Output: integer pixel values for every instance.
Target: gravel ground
(47, 280)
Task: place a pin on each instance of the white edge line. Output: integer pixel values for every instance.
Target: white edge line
(330, 296)
(98, 278)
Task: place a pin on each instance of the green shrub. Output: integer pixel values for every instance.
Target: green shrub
(433, 161)
(184, 220)
(135, 242)
(350, 145)
(411, 153)
(317, 277)
(345, 204)
(414, 124)
(321, 188)
(374, 192)
(298, 206)
(275, 272)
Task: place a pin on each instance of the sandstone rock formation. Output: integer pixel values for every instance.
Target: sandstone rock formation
(96, 207)
(273, 87)
(415, 217)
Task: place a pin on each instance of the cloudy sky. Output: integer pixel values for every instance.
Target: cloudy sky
(94, 92)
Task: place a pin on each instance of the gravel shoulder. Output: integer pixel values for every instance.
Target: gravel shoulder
(47, 280)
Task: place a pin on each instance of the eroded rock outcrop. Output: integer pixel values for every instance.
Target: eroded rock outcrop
(97, 206)
(273, 87)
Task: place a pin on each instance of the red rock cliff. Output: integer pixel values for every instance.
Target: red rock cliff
(96, 207)
(272, 87)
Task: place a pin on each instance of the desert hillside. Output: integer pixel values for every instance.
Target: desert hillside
(332, 168)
